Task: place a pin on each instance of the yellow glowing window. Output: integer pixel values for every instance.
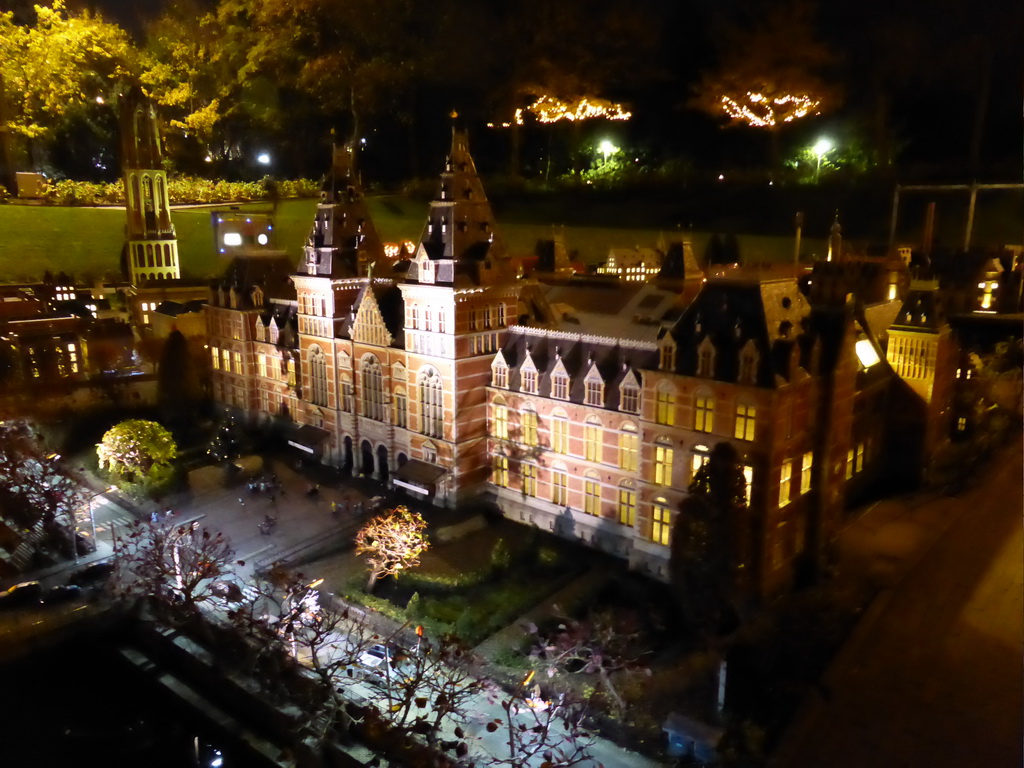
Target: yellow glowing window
(592, 496)
(225, 359)
(704, 413)
(661, 516)
(748, 479)
(746, 418)
(215, 354)
(501, 471)
(592, 441)
(501, 422)
(560, 435)
(559, 488)
(785, 482)
(627, 506)
(629, 448)
(261, 365)
(529, 473)
(666, 408)
(805, 472)
(499, 374)
(529, 427)
(663, 455)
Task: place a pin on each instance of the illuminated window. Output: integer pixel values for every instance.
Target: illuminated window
(560, 387)
(748, 480)
(474, 319)
(630, 399)
(661, 516)
(627, 506)
(499, 376)
(559, 434)
(501, 422)
(501, 471)
(785, 482)
(346, 395)
(501, 315)
(805, 472)
(529, 475)
(629, 448)
(745, 421)
(592, 494)
(261, 365)
(961, 424)
(698, 460)
(559, 487)
(401, 408)
(594, 394)
(529, 382)
(860, 458)
(663, 455)
(215, 355)
(225, 359)
(849, 463)
(665, 412)
(372, 390)
(592, 440)
(528, 422)
(317, 374)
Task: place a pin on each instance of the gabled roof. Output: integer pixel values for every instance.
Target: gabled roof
(343, 241)
(270, 272)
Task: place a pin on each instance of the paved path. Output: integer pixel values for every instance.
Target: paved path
(933, 674)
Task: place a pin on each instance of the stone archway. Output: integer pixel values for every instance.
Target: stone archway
(366, 458)
(347, 459)
(382, 464)
(402, 458)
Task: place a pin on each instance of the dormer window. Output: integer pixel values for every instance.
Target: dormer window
(668, 355)
(529, 382)
(630, 399)
(560, 387)
(594, 392)
(748, 363)
(706, 358)
(499, 376)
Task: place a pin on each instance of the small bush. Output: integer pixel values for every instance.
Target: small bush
(501, 558)
(413, 607)
(547, 557)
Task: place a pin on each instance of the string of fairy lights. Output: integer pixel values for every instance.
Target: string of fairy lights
(760, 111)
(551, 109)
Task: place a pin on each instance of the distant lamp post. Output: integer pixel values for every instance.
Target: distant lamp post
(263, 158)
(820, 149)
(607, 149)
(92, 515)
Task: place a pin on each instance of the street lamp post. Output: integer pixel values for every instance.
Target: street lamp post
(822, 148)
(92, 514)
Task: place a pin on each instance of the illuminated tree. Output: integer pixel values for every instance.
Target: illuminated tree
(33, 486)
(393, 542)
(135, 449)
(65, 67)
(769, 73)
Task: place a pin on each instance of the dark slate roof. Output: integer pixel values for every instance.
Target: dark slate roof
(343, 236)
(271, 272)
(175, 308)
(578, 355)
(733, 311)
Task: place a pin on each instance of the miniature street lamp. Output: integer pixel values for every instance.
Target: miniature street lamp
(263, 158)
(607, 149)
(820, 149)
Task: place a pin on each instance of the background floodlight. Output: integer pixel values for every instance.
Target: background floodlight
(263, 158)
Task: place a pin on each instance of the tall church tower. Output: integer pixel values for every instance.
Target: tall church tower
(152, 245)
(460, 295)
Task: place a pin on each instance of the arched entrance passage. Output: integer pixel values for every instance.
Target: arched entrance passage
(366, 460)
(402, 458)
(382, 463)
(346, 463)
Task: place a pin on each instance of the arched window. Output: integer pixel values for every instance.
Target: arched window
(592, 439)
(528, 425)
(401, 408)
(629, 447)
(592, 494)
(627, 504)
(346, 394)
(559, 431)
(703, 412)
(661, 521)
(746, 421)
(318, 376)
(499, 419)
(706, 358)
(372, 400)
(748, 363)
(663, 458)
(431, 403)
(559, 484)
(500, 473)
(666, 405)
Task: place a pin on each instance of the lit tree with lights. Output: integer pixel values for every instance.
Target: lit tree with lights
(136, 449)
(768, 74)
(393, 542)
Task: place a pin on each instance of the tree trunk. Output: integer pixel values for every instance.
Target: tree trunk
(8, 178)
(371, 582)
(620, 703)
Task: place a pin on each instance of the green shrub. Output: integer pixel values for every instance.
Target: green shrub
(413, 607)
(501, 558)
(467, 626)
(547, 557)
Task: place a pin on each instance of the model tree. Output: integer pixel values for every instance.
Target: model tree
(226, 443)
(392, 542)
(137, 451)
(705, 553)
(769, 74)
(33, 486)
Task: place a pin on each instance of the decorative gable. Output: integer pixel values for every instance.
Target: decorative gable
(528, 375)
(499, 371)
(560, 381)
(369, 327)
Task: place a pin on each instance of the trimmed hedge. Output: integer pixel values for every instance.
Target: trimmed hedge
(183, 190)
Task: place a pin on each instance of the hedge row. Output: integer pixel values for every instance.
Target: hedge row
(183, 190)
